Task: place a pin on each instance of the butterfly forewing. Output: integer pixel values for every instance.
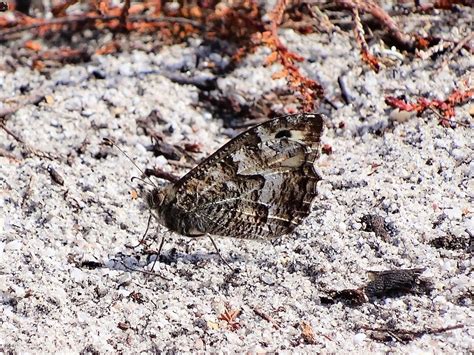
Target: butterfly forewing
(260, 185)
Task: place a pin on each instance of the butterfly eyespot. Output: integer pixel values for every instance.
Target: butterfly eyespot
(283, 134)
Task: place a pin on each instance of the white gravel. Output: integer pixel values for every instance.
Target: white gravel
(422, 184)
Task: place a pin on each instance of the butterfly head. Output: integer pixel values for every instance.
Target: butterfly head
(160, 202)
(154, 198)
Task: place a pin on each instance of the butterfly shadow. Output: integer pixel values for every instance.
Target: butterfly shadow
(148, 261)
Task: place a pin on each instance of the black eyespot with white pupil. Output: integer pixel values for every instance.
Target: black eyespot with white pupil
(283, 134)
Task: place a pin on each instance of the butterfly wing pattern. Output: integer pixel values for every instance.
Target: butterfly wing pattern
(260, 185)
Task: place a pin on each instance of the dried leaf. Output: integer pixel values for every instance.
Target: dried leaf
(307, 333)
(32, 45)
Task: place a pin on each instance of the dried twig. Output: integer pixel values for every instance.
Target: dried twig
(383, 18)
(76, 20)
(367, 56)
(36, 97)
(265, 316)
(458, 47)
(403, 334)
(26, 146)
(309, 89)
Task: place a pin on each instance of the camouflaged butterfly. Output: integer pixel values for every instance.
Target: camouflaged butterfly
(260, 185)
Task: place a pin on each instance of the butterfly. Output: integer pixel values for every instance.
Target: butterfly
(260, 185)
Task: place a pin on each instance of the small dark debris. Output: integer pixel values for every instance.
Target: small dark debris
(90, 264)
(327, 149)
(382, 283)
(386, 283)
(99, 74)
(23, 6)
(348, 184)
(192, 147)
(123, 325)
(352, 297)
(167, 150)
(83, 147)
(233, 279)
(25, 88)
(439, 220)
(168, 259)
(347, 97)
(101, 154)
(451, 242)
(156, 117)
(376, 224)
(89, 350)
(58, 179)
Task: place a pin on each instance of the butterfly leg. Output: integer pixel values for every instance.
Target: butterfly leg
(219, 253)
(158, 253)
(142, 240)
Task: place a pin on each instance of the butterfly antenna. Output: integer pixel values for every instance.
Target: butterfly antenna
(110, 142)
(140, 179)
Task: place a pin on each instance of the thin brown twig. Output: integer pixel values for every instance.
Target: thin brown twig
(367, 56)
(265, 316)
(458, 47)
(89, 18)
(11, 134)
(415, 333)
(26, 146)
(442, 118)
(383, 18)
(32, 99)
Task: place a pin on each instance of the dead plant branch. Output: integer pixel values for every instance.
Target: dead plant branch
(446, 107)
(84, 19)
(359, 33)
(29, 149)
(404, 335)
(310, 90)
(32, 99)
(405, 40)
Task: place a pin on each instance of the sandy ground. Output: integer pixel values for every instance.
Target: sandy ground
(414, 173)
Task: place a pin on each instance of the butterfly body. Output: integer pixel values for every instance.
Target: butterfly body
(260, 185)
